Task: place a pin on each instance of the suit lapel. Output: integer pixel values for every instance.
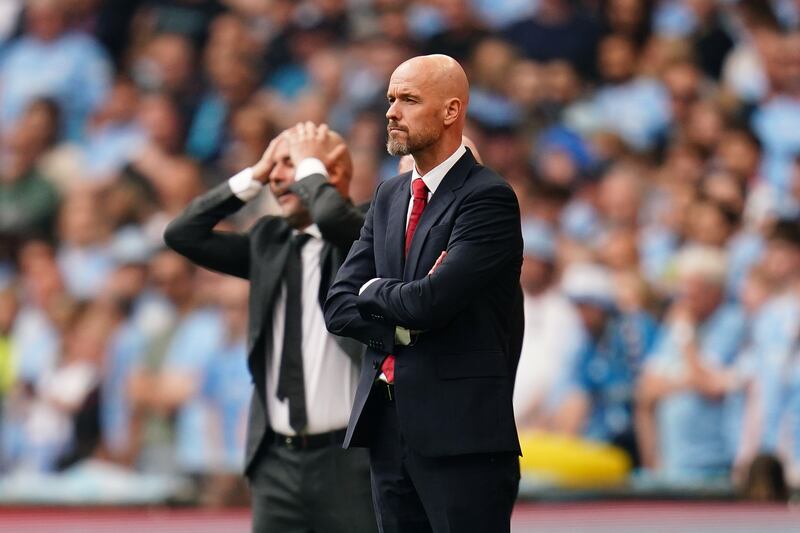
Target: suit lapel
(396, 228)
(438, 204)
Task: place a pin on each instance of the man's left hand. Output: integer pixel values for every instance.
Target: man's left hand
(308, 140)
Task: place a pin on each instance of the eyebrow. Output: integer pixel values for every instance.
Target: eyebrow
(404, 94)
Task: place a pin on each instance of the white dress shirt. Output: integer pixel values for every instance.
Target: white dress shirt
(329, 374)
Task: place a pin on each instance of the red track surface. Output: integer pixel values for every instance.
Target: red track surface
(551, 518)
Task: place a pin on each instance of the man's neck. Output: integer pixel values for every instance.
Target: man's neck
(433, 156)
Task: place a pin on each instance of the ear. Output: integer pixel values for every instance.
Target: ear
(339, 178)
(452, 111)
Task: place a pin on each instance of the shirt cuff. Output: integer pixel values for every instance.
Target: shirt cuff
(308, 167)
(402, 336)
(367, 284)
(244, 186)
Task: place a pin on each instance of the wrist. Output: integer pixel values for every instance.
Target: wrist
(684, 333)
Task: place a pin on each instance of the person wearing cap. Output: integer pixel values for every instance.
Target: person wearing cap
(553, 330)
(680, 409)
(595, 397)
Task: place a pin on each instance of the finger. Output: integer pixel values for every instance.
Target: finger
(309, 129)
(438, 262)
(295, 134)
(337, 152)
(269, 153)
(322, 132)
(297, 131)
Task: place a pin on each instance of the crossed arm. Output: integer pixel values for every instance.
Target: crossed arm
(485, 243)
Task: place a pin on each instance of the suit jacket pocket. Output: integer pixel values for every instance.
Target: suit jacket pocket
(472, 364)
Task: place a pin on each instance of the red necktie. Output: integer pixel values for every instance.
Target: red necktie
(420, 195)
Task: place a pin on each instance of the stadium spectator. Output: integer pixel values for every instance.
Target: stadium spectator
(681, 419)
(28, 202)
(553, 330)
(596, 393)
(165, 375)
(83, 255)
(50, 60)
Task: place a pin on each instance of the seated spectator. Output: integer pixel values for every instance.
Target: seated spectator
(60, 162)
(234, 80)
(38, 327)
(756, 389)
(48, 60)
(225, 393)
(681, 421)
(553, 330)
(791, 425)
(28, 201)
(113, 137)
(596, 395)
(61, 424)
(775, 326)
(165, 424)
(634, 107)
(83, 255)
(558, 29)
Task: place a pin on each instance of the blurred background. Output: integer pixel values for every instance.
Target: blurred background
(654, 146)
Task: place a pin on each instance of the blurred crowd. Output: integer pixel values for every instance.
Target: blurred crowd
(654, 146)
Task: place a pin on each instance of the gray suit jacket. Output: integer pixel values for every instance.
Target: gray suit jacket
(260, 255)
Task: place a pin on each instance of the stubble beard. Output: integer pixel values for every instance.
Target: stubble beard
(412, 145)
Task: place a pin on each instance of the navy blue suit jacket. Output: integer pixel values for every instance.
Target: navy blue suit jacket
(454, 385)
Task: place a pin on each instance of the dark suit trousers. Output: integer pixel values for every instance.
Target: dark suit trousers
(326, 490)
(415, 494)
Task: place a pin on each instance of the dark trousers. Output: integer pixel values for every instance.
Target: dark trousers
(415, 494)
(326, 490)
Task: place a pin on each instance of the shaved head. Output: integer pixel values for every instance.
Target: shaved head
(438, 73)
(428, 97)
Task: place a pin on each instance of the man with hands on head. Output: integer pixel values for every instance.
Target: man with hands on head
(432, 288)
(304, 377)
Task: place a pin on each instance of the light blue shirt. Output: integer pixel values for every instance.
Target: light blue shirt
(775, 331)
(775, 123)
(227, 390)
(637, 110)
(109, 149)
(73, 69)
(694, 443)
(197, 338)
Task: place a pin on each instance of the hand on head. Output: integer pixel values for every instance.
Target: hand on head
(306, 140)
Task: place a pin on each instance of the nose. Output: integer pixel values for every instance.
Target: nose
(278, 175)
(393, 113)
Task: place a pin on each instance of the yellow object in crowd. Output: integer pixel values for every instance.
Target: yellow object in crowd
(571, 462)
(7, 367)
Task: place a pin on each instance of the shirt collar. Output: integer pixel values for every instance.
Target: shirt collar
(433, 178)
(312, 230)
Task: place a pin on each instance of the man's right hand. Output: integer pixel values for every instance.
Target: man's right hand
(263, 168)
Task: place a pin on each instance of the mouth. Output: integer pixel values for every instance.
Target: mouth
(284, 197)
(395, 129)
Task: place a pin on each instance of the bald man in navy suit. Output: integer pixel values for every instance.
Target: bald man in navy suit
(432, 288)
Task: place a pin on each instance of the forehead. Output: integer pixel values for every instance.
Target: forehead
(406, 80)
